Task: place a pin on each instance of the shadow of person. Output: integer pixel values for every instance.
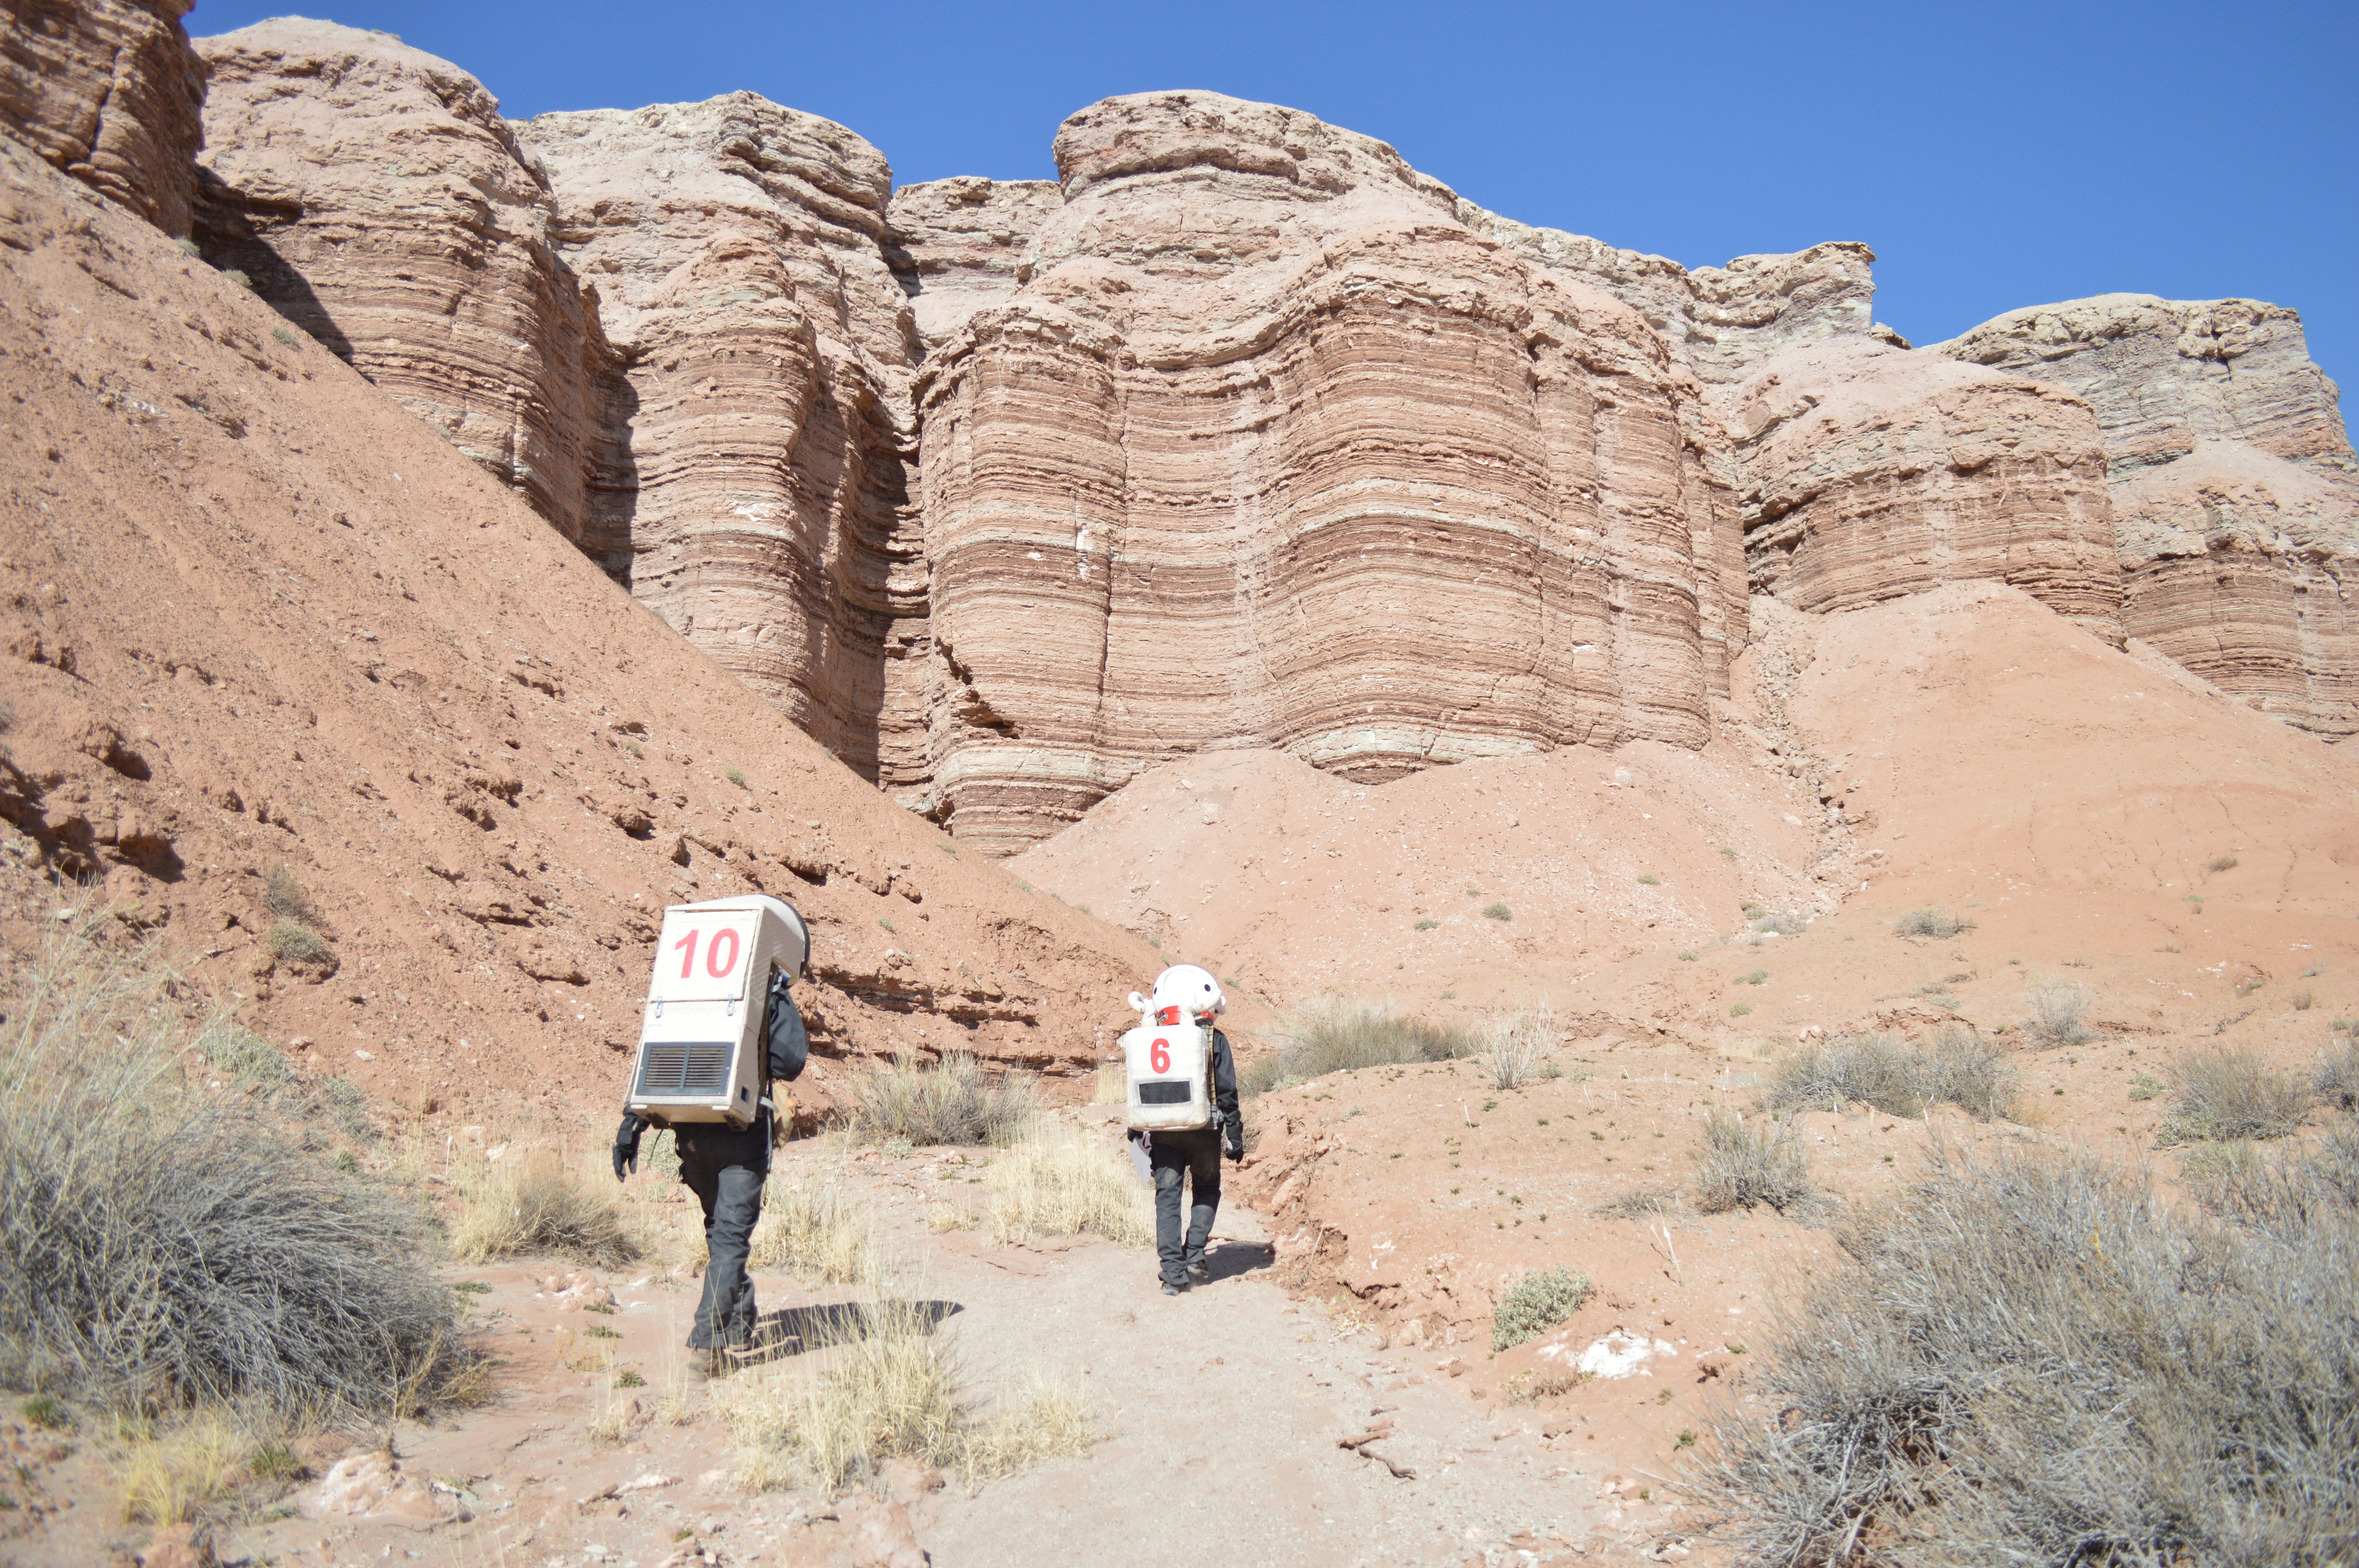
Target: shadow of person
(1227, 1260)
(793, 1331)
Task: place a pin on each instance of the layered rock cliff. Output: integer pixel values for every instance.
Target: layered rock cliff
(109, 91)
(1272, 450)
(372, 195)
(738, 252)
(2235, 494)
(958, 245)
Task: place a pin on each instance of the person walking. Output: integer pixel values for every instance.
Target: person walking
(1190, 1158)
(726, 1168)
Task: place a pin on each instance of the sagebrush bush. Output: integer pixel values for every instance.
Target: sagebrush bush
(949, 1103)
(1336, 1033)
(1778, 923)
(160, 1246)
(293, 943)
(1740, 1164)
(2035, 1362)
(2227, 1095)
(1962, 1069)
(1932, 920)
(2056, 1007)
(243, 1053)
(1512, 1043)
(812, 1227)
(1068, 1187)
(1536, 1303)
(2337, 1078)
(530, 1202)
(285, 897)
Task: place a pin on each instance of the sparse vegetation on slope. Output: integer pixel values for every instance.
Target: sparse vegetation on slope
(1068, 1187)
(1336, 1033)
(2228, 1094)
(1962, 1069)
(162, 1246)
(1741, 1164)
(529, 1203)
(1932, 920)
(2056, 1007)
(949, 1103)
(2036, 1362)
(809, 1225)
(1535, 1303)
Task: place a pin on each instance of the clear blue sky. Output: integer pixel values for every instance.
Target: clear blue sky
(1995, 155)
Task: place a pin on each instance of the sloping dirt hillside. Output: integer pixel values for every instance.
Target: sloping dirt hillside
(258, 619)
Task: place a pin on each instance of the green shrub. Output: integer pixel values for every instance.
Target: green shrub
(1650, 880)
(2143, 1086)
(1497, 912)
(949, 1103)
(1426, 924)
(285, 898)
(242, 1054)
(291, 943)
(736, 776)
(1336, 1033)
(1776, 921)
(1536, 1303)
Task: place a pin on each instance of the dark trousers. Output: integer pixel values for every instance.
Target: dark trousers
(1195, 1158)
(726, 1168)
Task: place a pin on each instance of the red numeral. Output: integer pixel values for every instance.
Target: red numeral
(713, 964)
(1159, 1058)
(685, 948)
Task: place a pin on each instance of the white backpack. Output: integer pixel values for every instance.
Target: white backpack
(1169, 1071)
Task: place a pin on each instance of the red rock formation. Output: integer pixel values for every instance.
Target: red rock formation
(375, 197)
(109, 91)
(959, 246)
(737, 251)
(1870, 471)
(2236, 492)
(1272, 450)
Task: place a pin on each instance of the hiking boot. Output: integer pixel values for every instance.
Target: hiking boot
(1198, 1275)
(1171, 1290)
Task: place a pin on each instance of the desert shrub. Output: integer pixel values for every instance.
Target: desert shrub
(1536, 1303)
(2057, 1006)
(237, 277)
(285, 338)
(1512, 1043)
(1962, 1069)
(284, 897)
(2211, 1169)
(157, 1250)
(2226, 1095)
(949, 1103)
(1335, 1034)
(2337, 1079)
(1428, 923)
(2144, 1086)
(1741, 1164)
(736, 776)
(291, 943)
(813, 1228)
(2224, 863)
(1067, 1188)
(1497, 912)
(1777, 923)
(243, 1053)
(2035, 1362)
(1639, 1203)
(1932, 920)
(529, 1203)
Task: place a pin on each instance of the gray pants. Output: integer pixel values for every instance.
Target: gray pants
(1193, 1157)
(725, 1169)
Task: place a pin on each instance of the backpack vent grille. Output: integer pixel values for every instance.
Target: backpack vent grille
(1165, 1091)
(684, 1068)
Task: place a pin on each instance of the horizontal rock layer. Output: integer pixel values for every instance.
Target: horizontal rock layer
(109, 91)
(2235, 494)
(374, 196)
(957, 245)
(1272, 450)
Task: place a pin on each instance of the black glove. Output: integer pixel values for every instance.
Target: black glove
(626, 1144)
(1237, 1144)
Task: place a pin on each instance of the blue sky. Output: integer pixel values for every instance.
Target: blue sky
(1995, 155)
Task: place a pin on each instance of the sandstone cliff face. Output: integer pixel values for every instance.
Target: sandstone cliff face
(958, 245)
(109, 91)
(1273, 450)
(736, 248)
(1869, 471)
(2234, 491)
(375, 197)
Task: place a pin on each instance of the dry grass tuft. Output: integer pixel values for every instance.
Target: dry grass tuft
(168, 1475)
(1932, 920)
(1068, 1188)
(2036, 1362)
(2057, 1006)
(1048, 1420)
(949, 1103)
(2224, 1096)
(529, 1203)
(1113, 1087)
(895, 1391)
(160, 1246)
(1741, 1164)
(813, 1228)
(1338, 1032)
(2337, 1079)
(1962, 1069)
(1512, 1043)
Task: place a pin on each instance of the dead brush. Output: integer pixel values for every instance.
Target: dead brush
(1339, 1032)
(2034, 1361)
(1513, 1044)
(1066, 1187)
(2055, 1009)
(1962, 1069)
(952, 1103)
(2336, 1080)
(1741, 1164)
(811, 1225)
(529, 1203)
(2224, 1096)
(161, 1247)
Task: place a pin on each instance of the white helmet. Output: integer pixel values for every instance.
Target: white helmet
(1191, 990)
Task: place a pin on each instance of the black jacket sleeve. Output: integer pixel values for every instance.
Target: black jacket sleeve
(1224, 1081)
(789, 1044)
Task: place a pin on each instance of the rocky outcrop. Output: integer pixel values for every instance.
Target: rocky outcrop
(372, 195)
(109, 91)
(2236, 494)
(738, 252)
(958, 245)
(1870, 471)
(1273, 450)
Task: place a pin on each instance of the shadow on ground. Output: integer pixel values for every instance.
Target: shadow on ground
(1227, 1260)
(791, 1331)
